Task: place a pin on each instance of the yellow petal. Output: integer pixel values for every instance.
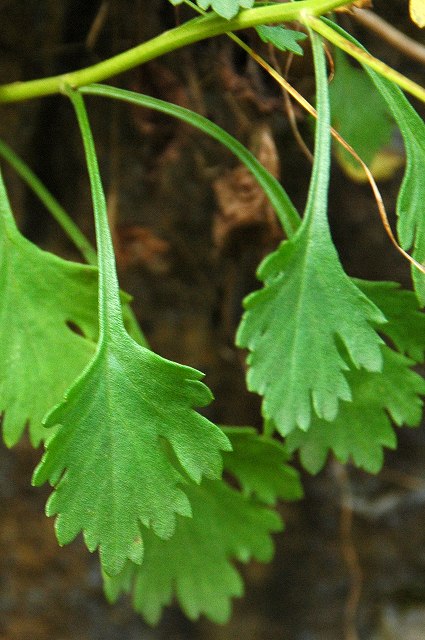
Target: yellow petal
(417, 12)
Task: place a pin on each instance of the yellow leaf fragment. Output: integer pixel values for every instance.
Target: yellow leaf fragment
(383, 166)
(359, 4)
(417, 12)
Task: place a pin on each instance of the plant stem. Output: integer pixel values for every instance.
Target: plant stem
(110, 312)
(364, 57)
(317, 200)
(280, 201)
(188, 33)
(406, 45)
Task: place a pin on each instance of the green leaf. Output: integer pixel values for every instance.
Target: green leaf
(41, 298)
(405, 324)
(109, 460)
(71, 230)
(195, 565)
(258, 464)
(282, 38)
(357, 108)
(363, 427)
(224, 8)
(195, 561)
(411, 198)
(294, 325)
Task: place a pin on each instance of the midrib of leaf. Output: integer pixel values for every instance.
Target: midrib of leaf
(315, 220)
(111, 434)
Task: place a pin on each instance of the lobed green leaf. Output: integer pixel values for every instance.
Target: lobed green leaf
(195, 565)
(308, 307)
(45, 303)
(109, 460)
(259, 465)
(363, 427)
(405, 325)
(282, 38)
(224, 8)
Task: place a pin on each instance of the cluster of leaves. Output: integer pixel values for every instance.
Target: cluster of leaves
(330, 355)
(194, 565)
(134, 466)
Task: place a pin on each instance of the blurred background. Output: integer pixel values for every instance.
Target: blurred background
(190, 226)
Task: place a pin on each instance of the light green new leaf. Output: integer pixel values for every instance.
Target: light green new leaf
(224, 8)
(308, 304)
(405, 324)
(195, 565)
(109, 460)
(411, 198)
(41, 298)
(351, 86)
(363, 427)
(282, 38)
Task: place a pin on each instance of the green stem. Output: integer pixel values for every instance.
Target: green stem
(278, 197)
(188, 33)
(110, 313)
(319, 184)
(50, 202)
(365, 58)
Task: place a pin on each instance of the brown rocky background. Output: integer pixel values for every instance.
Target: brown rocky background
(190, 226)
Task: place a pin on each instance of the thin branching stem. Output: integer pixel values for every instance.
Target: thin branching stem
(193, 31)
